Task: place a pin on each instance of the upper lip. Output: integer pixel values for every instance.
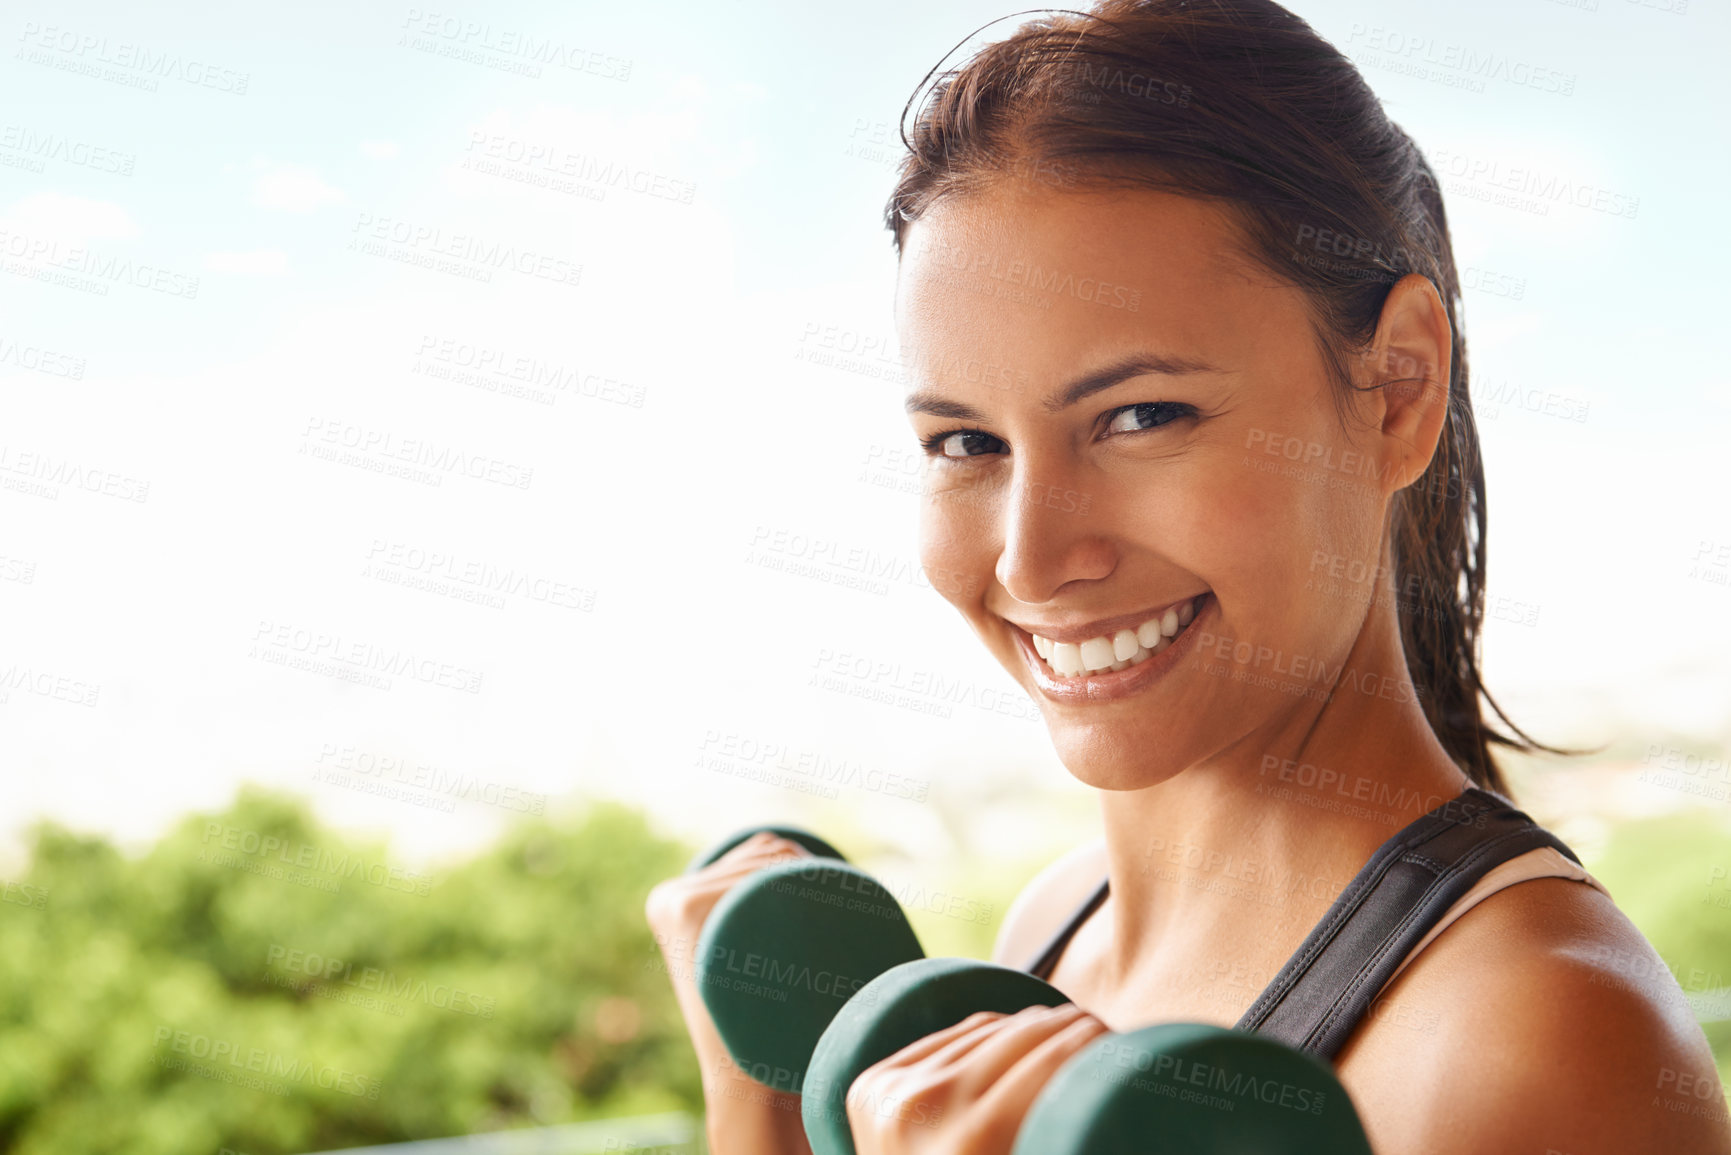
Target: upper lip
(1100, 627)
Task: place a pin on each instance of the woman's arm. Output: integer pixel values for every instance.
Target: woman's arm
(741, 1116)
(1601, 1067)
(1551, 1026)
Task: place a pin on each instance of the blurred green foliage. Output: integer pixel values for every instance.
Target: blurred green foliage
(164, 1004)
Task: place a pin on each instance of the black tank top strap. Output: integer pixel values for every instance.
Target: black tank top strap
(1326, 988)
(1042, 964)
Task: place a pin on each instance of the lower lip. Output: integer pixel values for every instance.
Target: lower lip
(1111, 685)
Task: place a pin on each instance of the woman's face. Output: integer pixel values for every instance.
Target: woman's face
(1126, 418)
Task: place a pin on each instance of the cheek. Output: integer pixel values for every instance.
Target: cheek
(1259, 525)
(1228, 525)
(955, 547)
(1293, 528)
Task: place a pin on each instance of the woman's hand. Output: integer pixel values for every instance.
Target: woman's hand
(740, 1116)
(677, 908)
(966, 1089)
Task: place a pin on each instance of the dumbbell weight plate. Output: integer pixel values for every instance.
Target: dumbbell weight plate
(792, 833)
(1191, 1089)
(903, 1004)
(784, 949)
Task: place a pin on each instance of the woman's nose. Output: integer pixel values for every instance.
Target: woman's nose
(1051, 535)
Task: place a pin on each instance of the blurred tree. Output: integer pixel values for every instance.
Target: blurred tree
(258, 983)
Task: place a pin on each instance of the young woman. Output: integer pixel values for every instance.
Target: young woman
(1182, 318)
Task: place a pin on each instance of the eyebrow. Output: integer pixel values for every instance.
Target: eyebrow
(1135, 365)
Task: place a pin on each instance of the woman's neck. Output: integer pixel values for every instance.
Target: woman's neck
(1252, 845)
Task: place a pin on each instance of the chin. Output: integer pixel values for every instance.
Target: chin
(1096, 756)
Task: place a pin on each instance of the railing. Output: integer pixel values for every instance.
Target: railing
(670, 1134)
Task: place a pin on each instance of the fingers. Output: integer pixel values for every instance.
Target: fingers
(980, 1077)
(760, 848)
(1013, 1076)
(1013, 1092)
(965, 1033)
(989, 1042)
(750, 856)
(678, 907)
(993, 1054)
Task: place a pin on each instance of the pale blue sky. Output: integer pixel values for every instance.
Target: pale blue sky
(769, 112)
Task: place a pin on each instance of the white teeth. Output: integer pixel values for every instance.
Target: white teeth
(1097, 654)
(1066, 659)
(1121, 650)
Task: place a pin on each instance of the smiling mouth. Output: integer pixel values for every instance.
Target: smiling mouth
(1119, 651)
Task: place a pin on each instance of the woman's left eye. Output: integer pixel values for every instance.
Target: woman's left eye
(1147, 415)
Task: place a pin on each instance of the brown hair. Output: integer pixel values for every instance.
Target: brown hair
(1241, 102)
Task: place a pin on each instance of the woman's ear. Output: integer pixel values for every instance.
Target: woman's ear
(1406, 370)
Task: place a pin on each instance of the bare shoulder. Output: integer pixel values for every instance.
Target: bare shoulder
(1048, 899)
(1541, 1021)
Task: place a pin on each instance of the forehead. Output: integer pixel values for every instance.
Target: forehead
(1046, 277)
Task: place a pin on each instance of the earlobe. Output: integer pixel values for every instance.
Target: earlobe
(1409, 364)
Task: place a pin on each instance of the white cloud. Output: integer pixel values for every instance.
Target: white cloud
(291, 188)
(70, 219)
(259, 263)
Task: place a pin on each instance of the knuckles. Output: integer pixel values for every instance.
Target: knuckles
(679, 905)
(894, 1110)
(914, 1106)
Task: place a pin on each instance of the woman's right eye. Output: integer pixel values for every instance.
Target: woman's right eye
(960, 443)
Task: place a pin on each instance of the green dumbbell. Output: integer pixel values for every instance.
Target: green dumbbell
(1193, 1089)
(796, 942)
(902, 1005)
(1177, 1088)
(786, 947)
(799, 942)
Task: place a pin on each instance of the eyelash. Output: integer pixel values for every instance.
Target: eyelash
(1178, 409)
